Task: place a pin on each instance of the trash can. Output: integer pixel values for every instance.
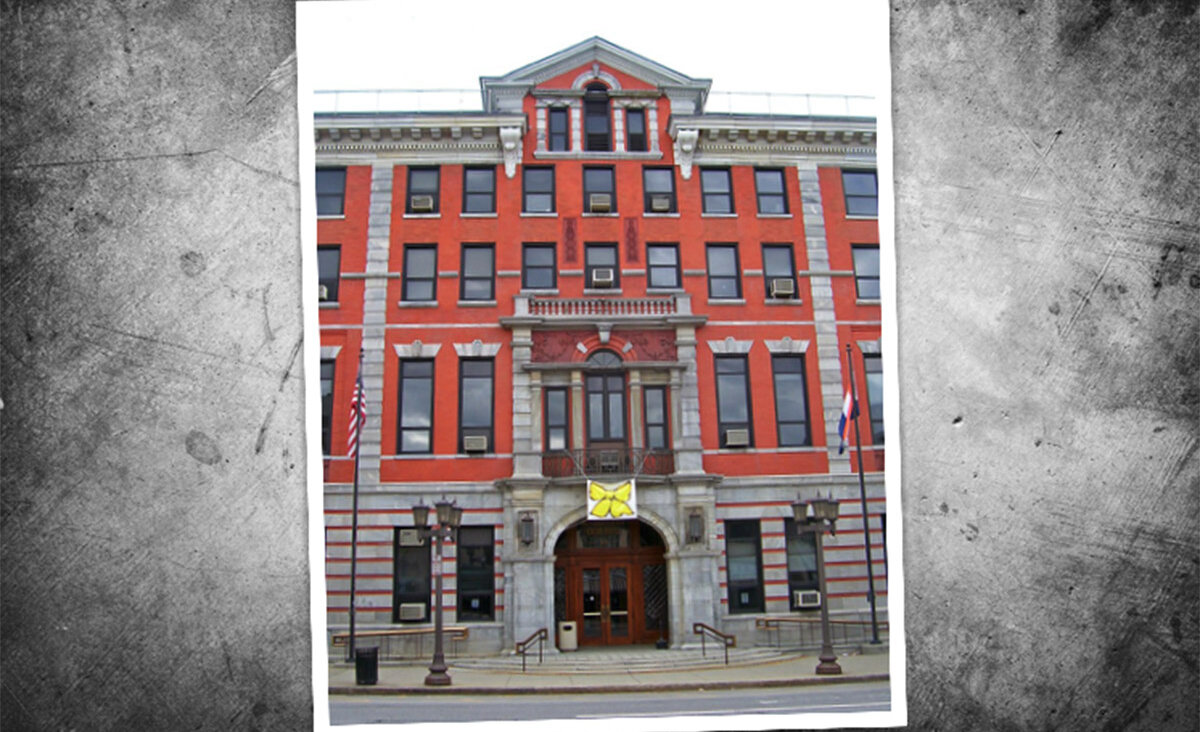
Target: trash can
(568, 636)
(366, 666)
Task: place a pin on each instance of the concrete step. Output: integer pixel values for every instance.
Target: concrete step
(608, 660)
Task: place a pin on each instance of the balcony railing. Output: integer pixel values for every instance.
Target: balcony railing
(607, 461)
(601, 307)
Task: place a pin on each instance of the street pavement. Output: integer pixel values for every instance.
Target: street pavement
(611, 675)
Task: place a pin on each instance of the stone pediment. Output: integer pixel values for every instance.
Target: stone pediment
(503, 94)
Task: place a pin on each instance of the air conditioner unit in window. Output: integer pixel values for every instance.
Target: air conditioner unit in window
(421, 203)
(660, 203)
(324, 293)
(602, 277)
(412, 611)
(783, 287)
(411, 537)
(475, 443)
(600, 203)
(806, 599)
(737, 438)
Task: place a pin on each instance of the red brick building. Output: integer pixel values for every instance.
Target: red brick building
(592, 278)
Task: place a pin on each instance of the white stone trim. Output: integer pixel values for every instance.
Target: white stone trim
(729, 346)
(477, 349)
(787, 345)
(417, 349)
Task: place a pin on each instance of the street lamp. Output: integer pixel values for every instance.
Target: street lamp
(448, 518)
(816, 517)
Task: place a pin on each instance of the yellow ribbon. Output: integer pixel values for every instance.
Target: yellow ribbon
(611, 503)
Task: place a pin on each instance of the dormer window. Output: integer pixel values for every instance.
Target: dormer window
(596, 115)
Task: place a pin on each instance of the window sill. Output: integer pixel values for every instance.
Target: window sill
(477, 303)
(417, 304)
(478, 215)
(539, 214)
(422, 215)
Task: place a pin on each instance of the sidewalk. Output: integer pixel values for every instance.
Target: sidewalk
(790, 670)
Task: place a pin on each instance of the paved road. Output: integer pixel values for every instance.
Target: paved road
(828, 699)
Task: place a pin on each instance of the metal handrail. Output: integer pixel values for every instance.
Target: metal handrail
(704, 631)
(540, 637)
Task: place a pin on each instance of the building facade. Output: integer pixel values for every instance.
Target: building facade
(594, 288)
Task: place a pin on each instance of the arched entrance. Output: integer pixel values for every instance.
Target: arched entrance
(610, 577)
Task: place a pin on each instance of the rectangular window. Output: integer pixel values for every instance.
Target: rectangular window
(791, 400)
(801, 561)
(866, 272)
(327, 368)
(772, 196)
(599, 190)
(659, 187)
(873, 366)
(479, 190)
(475, 406)
(662, 265)
(538, 190)
(420, 273)
(600, 266)
(331, 191)
(717, 190)
(733, 401)
(478, 272)
(411, 576)
(743, 566)
(779, 270)
(862, 192)
(635, 125)
(422, 191)
(329, 262)
(557, 412)
(476, 573)
(657, 435)
(538, 269)
(558, 129)
(724, 280)
(415, 429)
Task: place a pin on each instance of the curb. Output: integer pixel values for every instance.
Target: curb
(609, 689)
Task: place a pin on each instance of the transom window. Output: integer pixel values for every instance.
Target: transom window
(331, 191)
(866, 272)
(862, 192)
(420, 273)
(423, 190)
(538, 190)
(662, 265)
(717, 190)
(538, 267)
(659, 186)
(772, 198)
(724, 281)
(478, 272)
(479, 190)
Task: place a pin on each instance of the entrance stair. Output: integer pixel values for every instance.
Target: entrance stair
(628, 658)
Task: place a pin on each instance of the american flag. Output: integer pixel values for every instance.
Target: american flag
(358, 415)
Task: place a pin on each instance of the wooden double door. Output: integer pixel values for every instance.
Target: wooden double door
(617, 595)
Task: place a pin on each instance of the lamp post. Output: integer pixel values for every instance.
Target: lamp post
(448, 518)
(818, 516)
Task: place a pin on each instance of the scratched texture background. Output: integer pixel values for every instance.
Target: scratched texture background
(153, 501)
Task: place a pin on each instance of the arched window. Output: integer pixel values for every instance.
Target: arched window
(605, 398)
(596, 116)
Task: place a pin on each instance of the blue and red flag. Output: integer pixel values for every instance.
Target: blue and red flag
(849, 412)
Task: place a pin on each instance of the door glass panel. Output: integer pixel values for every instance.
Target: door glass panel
(618, 602)
(591, 604)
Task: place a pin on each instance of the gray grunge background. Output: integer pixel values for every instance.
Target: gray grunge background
(153, 520)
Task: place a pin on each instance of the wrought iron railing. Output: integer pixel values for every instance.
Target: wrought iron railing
(608, 461)
(805, 633)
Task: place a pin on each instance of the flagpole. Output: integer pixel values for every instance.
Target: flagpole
(862, 492)
(357, 427)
